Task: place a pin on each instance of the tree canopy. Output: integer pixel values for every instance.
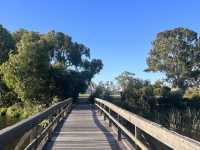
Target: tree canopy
(6, 44)
(176, 53)
(38, 66)
(26, 72)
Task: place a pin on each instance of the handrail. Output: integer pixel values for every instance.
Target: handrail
(11, 133)
(165, 136)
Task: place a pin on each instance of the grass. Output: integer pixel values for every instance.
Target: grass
(84, 95)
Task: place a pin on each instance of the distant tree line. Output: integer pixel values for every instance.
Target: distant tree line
(174, 101)
(39, 67)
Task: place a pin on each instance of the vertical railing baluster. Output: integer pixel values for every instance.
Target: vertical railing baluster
(104, 107)
(119, 130)
(135, 131)
(110, 121)
(101, 110)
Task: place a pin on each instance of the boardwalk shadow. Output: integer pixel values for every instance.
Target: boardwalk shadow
(49, 144)
(110, 138)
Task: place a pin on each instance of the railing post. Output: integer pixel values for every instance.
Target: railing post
(101, 110)
(110, 121)
(104, 107)
(63, 114)
(119, 130)
(135, 131)
(98, 109)
(66, 110)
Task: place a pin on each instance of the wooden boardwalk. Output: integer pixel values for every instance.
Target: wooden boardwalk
(84, 129)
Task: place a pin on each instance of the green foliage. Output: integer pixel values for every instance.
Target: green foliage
(157, 88)
(124, 78)
(174, 98)
(20, 110)
(139, 94)
(99, 92)
(175, 53)
(67, 83)
(72, 69)
(165, 91)
(191, 93)
(43, 66)
(26, 72)
(6, 44)
(55, 100)
(17, 35)
(3, 111)
(7, 96)
(13, 112)
(104, 91)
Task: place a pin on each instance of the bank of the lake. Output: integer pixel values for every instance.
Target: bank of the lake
(13, 114)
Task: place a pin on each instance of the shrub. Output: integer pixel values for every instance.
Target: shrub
(55, 99)
(23, 110)
(3, 111)
(165, 91)
(14, 111)
(192, 92)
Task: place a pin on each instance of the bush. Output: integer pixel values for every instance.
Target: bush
(192, 92)
(3, 111)
(23, 110)
(14, 111)
(165, 91)
(157, 91)
(7, 96)
(193, 102)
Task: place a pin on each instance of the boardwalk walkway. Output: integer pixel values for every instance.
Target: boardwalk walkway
(84, 129)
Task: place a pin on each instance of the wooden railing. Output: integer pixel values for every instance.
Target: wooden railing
(170, 139)
(29, 133)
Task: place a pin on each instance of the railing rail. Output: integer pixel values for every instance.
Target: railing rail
(167, 137)
(54, 114)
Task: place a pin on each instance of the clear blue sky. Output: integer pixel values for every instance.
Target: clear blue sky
(119, 32)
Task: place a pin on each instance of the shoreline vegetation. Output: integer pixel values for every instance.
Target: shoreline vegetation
(17, 112)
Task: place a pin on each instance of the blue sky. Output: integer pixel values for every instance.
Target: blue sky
(119, 32)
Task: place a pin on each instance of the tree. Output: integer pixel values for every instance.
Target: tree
(74, 69)
(43, 66)
(139, 93)
(27, 71)
(59, 46)
(124, 78)
(17, 35)
(175, 53)
(90, 68)
(6, 44)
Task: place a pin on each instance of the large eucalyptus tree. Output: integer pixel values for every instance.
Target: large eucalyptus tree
(176, 53)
